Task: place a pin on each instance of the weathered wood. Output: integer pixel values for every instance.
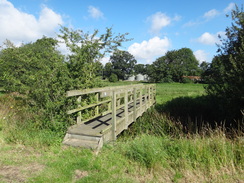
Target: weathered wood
(114, 116)
(97, 107)
(104, 89)
(87, 107)
(78, 119)
(126, 110)
(118, 115)
(134, 103)
(140, 98)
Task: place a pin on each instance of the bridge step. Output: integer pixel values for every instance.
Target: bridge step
(77, 140)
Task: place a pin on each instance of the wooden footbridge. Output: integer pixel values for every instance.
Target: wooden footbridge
(112, 109)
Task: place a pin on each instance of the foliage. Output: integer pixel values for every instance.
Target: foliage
(206, 154)
(157, 152)
(226, 73)
(123, 64)
(113, 78)
(38, 72)
(140, 69)
(87, 50)
(108, 70)
(42, 75)
(174, 65)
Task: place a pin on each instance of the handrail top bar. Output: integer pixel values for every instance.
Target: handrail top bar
(103, 89)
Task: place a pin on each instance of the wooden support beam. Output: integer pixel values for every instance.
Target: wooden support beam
(134, 104)
(97, 101)
(78, 118)
(114, 100)
(140, 105)
(126, 110)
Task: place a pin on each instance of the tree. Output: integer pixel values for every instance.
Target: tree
(140, 69)
(150, 71)
(204, 71)
(108, 70)
(226, 73)
(123, 64)
(86, 52)
(174, 65)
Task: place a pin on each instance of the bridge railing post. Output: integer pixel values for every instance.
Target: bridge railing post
(78, 118)
(126, 109)
(141, 111)
(114, 101)
(134, 104)
(145, 97)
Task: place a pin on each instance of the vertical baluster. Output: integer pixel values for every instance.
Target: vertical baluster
(126, 109)
(140, 101)
(134, 104)
(78, 118)
(97, 107)
(114, 115)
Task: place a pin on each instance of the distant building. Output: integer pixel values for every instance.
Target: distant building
(138, 77)
(131, 78)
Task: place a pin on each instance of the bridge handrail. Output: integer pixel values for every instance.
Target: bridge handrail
(130, 94)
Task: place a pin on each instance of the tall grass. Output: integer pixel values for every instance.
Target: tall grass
(212, 158)
(154, 149)
(18, 126)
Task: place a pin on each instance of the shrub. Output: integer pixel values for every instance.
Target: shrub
(187, 80)
(113, 78)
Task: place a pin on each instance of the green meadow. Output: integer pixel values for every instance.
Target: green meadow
(154, 149)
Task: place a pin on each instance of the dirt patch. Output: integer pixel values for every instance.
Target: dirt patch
(79, 175)
(10, 173)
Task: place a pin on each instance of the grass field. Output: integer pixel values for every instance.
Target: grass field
(152, 150)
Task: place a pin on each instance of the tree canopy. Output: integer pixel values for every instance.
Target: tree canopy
(174, 65)
(42, 75)
(123, 64)
(226, 72)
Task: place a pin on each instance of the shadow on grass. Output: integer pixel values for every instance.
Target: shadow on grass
(2, 91)
(196, 113)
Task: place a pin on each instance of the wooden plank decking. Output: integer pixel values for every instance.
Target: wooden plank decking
(96, 131)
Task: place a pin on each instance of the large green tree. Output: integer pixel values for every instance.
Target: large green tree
(140, 69)
(174, 65)
(226, 73)
(123, 64)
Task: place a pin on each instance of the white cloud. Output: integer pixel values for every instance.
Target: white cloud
(95, 12)
(18, 26)
(211, 14)
(201, 56)
(158, 21)
(148, 50)
(210, 39)
(230, 7)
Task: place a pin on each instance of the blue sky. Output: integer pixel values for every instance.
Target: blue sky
(156, 26)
